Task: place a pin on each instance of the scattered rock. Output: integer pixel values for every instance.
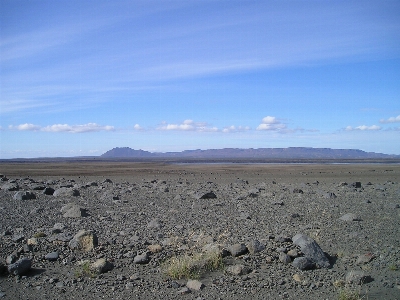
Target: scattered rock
(350, 217)
(255, 246)
(101, 266)
(238, 270)
(75, 211)
(284, 258)
(20, 267)
(194, 285)
(142, 258)
(303, 263)
(238, 249)
(154, 224)
(66, 192)
(52, 256)
(357, 277)
(155, 248)
(24, 195)
(311, 250)
(207, 195)
(364, 258)
(84, 240)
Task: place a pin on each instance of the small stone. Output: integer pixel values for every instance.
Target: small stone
(297, 278)
(238, 249)
(155, 248)
(53, 256)
(101, 266)
(349, 217)
(284, 258)
(238, 270)
(364, 258)
(184, 290)
(142, 258)
(18, 238)
(154, 224)
(75, 211)
(255, 246)
(357, 277)
(303, 263)
(194, 285)
(84, 240)
(293, 253)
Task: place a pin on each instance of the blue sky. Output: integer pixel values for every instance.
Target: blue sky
(82, 77)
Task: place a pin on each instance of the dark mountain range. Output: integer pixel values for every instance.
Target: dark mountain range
(250, 153)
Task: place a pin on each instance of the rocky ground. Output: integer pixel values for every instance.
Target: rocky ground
(281, 231)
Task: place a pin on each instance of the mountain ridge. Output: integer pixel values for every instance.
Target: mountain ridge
(278, 153)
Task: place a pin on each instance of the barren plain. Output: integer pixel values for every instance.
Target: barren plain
(116, 230)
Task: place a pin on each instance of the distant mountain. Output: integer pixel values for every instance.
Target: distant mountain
(260, 153)
(126, 152)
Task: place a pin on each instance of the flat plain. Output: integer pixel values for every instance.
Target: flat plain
(143, 216)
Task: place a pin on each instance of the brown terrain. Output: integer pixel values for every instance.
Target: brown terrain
(117, 230)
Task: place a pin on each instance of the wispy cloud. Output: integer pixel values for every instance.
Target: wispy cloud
(363, 128)
(89, 127)
(25, 127)
(188, 125)
(234, 128)
(390, 120)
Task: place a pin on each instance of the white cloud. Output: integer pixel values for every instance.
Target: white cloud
(89, 127)
(188, 125)
(25, 127)
(235, 129)
(363, 128)
(137, 127)
(272, 124)
(391, 120)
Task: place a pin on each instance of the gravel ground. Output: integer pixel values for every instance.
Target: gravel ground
(133, 218)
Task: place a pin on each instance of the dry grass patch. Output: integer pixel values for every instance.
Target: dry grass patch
(192, 266)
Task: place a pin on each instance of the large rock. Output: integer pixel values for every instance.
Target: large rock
(24, 195)
(311, 250)
(20, 267)
(10, 186)
(66, 192)
(84, 240)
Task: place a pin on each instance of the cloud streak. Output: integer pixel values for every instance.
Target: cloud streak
(363, 128)
(390, 120)
(188, 125)
(89, 127)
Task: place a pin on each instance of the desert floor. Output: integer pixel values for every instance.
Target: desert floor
(143, 215)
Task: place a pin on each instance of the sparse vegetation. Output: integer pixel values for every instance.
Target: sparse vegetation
(85, 271)
(39, 235)
(192, 267)
(346, 294)
(393, 267)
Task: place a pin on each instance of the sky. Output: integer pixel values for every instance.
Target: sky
(80, 77)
